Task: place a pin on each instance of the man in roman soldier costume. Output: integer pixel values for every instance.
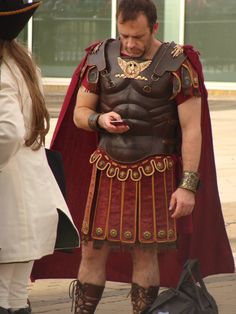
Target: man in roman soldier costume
(142, 107)
(138, 93)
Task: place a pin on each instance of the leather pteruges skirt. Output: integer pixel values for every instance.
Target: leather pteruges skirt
(129, 203)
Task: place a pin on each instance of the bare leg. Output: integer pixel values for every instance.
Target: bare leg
(145, 267)
(93, 264)
(145, 278)
(87, 291)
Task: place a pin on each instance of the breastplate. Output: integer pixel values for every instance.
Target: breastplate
(132, 89)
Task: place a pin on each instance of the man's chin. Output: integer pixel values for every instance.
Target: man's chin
(135, 55)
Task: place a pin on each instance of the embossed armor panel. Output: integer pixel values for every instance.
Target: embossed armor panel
(134, 89)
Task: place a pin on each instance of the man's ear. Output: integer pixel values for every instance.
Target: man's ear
(155, 28)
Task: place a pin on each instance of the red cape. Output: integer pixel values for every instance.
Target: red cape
(208, 242)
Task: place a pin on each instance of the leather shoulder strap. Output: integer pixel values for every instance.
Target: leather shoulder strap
(97, 56)
(166, 61)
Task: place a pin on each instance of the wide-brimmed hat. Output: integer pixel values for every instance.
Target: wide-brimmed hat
(14, 15)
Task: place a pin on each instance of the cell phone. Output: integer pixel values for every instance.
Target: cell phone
(118, 122)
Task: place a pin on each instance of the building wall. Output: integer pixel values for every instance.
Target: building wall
(62, 29)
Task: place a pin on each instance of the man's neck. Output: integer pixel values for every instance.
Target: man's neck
(155, 45)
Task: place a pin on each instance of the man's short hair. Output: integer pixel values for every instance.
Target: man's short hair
(130, 9)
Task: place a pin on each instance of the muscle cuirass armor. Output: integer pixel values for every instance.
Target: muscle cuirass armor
(140, 91)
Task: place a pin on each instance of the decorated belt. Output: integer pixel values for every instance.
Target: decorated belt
(135, 170)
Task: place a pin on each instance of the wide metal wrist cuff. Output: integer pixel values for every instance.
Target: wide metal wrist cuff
(190, 181)
(93, 121)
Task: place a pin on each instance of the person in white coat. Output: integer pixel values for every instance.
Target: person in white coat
(32, 207)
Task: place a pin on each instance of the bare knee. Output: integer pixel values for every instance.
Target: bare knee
(143, 257)
(93, 264)
(145, 267)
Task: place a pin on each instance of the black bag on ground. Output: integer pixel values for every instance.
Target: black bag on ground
(189, 297)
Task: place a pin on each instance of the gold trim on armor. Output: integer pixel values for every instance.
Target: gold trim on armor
(96, 48)
(173, 188)
(86, 220)
(166, 202)
(194, 78)
(147, 89)
(113, 233)
(189, 181)
(161, 234)
(167, 233)
(154, 208)
(128, 235)
(101, 165)
(132, 69)
(135, 172)
(175, 92)
(139, 211)
(171, 234)
(85, 227)
(125, 233)
(147, 235)
(177, 50)
(109, 208)
(122, 208)
(99, 231)
(136, 212)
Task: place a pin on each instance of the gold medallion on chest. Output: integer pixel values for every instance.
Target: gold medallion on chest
(132, 69)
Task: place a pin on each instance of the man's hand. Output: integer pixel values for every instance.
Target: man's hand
(182, 203)
(105, 120)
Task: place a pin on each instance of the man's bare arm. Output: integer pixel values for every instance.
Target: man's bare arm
(190, 122)
(85, 106)
(183, 200)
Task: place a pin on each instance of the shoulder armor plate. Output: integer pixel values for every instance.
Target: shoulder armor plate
(97, 55)
(171, 59)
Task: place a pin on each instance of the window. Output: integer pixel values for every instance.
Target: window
(160, 18)
(62, 29)
(209, 26)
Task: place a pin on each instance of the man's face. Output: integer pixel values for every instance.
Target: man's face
(135, 35)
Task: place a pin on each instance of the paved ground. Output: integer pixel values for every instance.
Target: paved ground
(51, 296)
